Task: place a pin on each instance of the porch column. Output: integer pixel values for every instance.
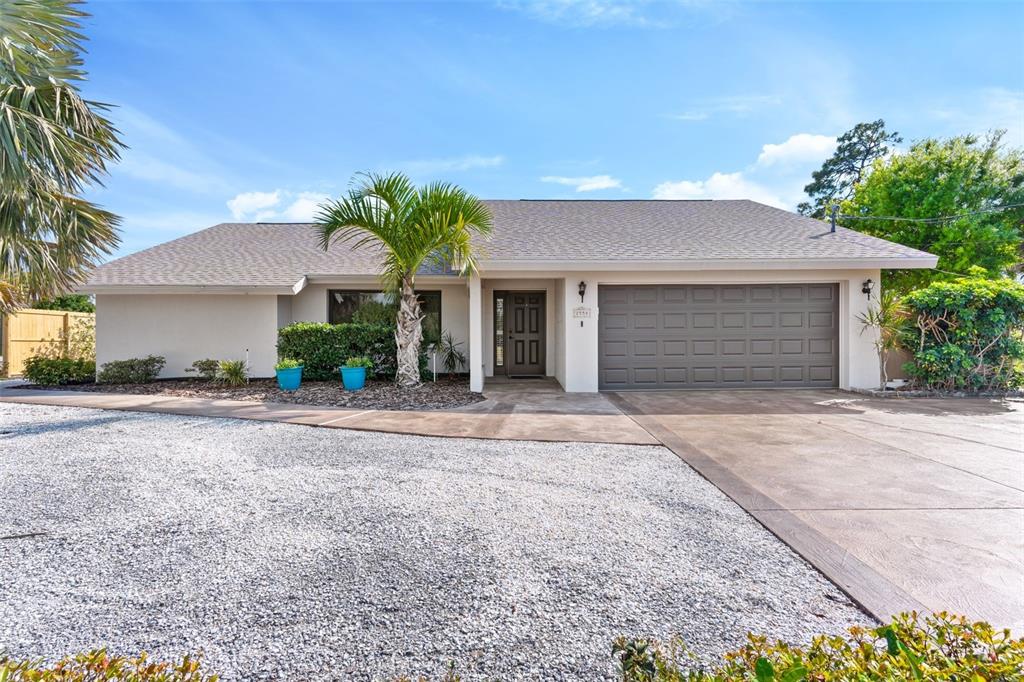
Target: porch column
(476, 335)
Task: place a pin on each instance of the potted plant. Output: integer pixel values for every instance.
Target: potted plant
(353, 372)
(289, 374)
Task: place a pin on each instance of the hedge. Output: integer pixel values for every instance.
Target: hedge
(131, 371)
(323, 348)
(47, 371)
(969, 334)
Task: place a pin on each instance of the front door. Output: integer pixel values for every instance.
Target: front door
(524, 331)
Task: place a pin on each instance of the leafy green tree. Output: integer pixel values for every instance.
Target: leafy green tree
(76, 303)
(410, 227)
(968, 177)
(53, 143)
(856, 151)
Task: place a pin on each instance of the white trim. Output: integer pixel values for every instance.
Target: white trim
(901, 263)
(261, 290)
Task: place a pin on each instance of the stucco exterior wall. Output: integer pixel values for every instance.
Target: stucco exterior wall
(188, 327)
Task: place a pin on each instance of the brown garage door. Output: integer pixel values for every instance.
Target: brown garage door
(750, 336)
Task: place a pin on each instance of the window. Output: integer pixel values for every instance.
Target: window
(499, 330)
(377, 307)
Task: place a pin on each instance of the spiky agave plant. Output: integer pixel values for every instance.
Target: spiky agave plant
(411, 226)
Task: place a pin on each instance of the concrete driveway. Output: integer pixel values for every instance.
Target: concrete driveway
(904, 503)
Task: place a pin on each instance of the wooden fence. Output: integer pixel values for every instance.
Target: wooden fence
(31, 332)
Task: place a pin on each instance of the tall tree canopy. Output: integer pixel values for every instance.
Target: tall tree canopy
(53, 143)
(410, 226)
(969, 177)
(856, 151)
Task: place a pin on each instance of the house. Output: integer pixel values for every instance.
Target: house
(601, 295)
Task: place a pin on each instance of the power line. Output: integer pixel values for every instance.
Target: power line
(940, 219)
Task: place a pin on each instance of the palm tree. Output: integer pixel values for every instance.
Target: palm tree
(888, 321)
(411, 227)
(53, 143)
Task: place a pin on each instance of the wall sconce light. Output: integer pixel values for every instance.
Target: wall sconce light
(867, 287)
(583, 290)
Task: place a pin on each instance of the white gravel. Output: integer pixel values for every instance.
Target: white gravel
(302, 553)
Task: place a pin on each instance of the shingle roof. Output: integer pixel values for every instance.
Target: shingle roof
(620, 232)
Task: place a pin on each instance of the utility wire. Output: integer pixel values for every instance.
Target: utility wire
(940, 219)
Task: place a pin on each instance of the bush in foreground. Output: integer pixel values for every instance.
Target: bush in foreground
(98, 666)
(939, 647)
(59, 371)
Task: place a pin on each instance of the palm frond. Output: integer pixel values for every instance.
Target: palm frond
(53, 143)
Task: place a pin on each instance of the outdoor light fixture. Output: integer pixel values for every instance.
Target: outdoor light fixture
(583, 290)
(867, 287)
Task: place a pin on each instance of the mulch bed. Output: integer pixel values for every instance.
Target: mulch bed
(376, 395)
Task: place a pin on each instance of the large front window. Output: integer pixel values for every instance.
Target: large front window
(376, 307)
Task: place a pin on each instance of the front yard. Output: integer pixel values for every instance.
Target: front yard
(289, 552)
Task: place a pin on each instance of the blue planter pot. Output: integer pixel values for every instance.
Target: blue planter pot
(354, 378)
(289, 379)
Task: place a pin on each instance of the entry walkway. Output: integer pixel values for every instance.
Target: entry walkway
(520, 410)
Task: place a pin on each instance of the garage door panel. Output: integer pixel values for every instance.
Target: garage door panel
(676, 336)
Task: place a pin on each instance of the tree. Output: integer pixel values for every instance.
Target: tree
(53, 143)
(856, 150)
(411, 227)
(953, 198)
(76, 303)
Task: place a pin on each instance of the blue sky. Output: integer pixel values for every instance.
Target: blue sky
(256, 111)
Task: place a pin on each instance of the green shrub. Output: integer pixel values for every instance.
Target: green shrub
(76, 303)
(204, 369)
(323, 348)
(232, 372)
(132, 371)
(363, 361)
(47, 371)
(942, 647)
(287, 363)
(969, 334)
(98, 666)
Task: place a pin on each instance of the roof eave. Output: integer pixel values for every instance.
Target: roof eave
(881, 263)
(258, 289)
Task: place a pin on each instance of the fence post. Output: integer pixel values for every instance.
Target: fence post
(67, 334)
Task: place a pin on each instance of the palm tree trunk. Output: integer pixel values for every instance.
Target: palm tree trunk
(408, 334)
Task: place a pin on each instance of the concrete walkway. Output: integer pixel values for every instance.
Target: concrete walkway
(522, 410)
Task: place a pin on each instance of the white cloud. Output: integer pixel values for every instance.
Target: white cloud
(736, 105)
(254, 205)
(777, 177)
(282, 205)
(450, 165)
(799, 148)
(719, 186)
(990, 109)
(585, 184)
(304, 208)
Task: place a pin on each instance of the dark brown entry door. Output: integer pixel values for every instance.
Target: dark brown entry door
(524, 331)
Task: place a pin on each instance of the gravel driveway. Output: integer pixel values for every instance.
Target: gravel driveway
(293, 552)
